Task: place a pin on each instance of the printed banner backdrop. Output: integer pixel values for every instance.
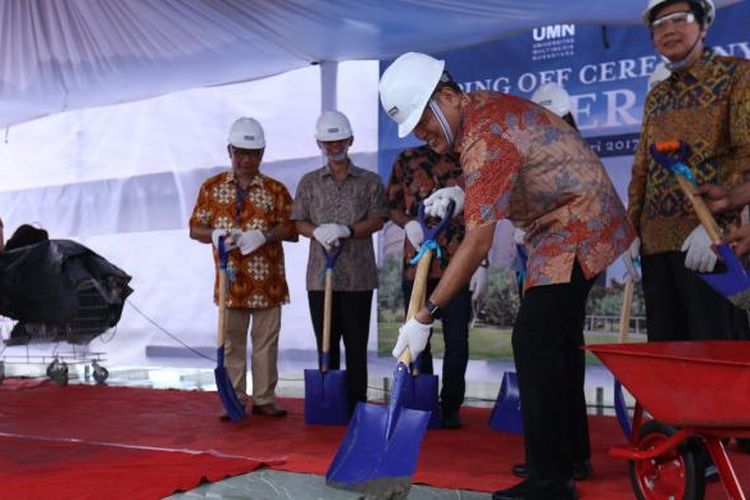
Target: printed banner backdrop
(605, 69)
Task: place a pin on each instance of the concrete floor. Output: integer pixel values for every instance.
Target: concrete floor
(268, 484)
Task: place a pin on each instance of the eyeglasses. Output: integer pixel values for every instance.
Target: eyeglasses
(676, 19)
(427, 115)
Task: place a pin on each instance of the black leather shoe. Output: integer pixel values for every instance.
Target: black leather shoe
(539, 489)
(581, 470)
(451, 420)
(269, 410)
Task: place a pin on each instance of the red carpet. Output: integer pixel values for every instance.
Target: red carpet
(36, 462)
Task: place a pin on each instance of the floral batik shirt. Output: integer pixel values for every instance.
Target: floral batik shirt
(416, 174)
(523, 163)
(256, 280)
(707, 106)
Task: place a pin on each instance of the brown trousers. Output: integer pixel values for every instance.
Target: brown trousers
(265, 348)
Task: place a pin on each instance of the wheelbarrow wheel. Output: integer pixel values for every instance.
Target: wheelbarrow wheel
(676, 475)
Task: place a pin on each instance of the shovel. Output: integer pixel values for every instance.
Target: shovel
(506, 414)
(325, 390)
(621, 407)
(379, 452)
(734, 283)
(421, 391)
(228, 397)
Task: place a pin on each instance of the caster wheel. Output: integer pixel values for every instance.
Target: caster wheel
(100, 373)
(58, 371)
(677, 475)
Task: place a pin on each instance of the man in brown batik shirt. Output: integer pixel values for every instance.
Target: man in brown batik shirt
(416, 174)
(341, 204)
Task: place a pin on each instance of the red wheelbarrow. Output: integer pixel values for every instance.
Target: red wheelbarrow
(697, 394)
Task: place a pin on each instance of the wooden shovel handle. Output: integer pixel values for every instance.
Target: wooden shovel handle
(701, 210)
(327, 306)
(417, 296)
(222, 304)
(627, 301)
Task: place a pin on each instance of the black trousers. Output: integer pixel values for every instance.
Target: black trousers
(350, 321)
(681, 306)
(456, 317)
(551, 366)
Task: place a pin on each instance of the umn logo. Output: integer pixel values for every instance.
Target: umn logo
(554, 31)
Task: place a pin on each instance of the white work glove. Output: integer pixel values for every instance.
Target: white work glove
(230, 238)
(437, 203)
(318, 234)
(479, 285)
(634, 251)
(700, 256)
(519, 236)
(413, 335)
(414, 233)
(633, 272)
(330, 234)
(250, 241)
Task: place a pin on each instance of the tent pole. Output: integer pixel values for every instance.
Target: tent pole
(328, 85)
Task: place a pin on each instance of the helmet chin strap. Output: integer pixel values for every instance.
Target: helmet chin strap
(681, 63)
(442, 121)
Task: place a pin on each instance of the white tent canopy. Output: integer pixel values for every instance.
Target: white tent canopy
(68, 54)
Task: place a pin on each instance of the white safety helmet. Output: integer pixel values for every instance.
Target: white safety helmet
(553, 97)
(708, 7)
(246, 133)
(406, 87)
(660, 73)
(332, 126)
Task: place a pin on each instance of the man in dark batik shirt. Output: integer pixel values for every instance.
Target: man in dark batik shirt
(416, 174)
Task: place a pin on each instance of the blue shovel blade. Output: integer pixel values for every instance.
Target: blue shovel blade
(381, 445)
(228, 397)
(370, 461)
(326, 398)
(621, 410)
(506, 414)
(421, 393)
(734, 283)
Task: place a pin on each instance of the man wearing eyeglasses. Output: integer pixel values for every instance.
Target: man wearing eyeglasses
(705, 102)
(251, 211)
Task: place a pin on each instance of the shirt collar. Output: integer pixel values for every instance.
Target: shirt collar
(351, 171)
(458, 144)
(698, 71)
(256, 181)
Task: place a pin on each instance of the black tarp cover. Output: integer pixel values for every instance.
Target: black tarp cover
(41, 283)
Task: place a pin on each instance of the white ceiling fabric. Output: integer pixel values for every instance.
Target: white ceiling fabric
(68, 54)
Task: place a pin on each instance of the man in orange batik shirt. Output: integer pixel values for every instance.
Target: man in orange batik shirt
(252, 212)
